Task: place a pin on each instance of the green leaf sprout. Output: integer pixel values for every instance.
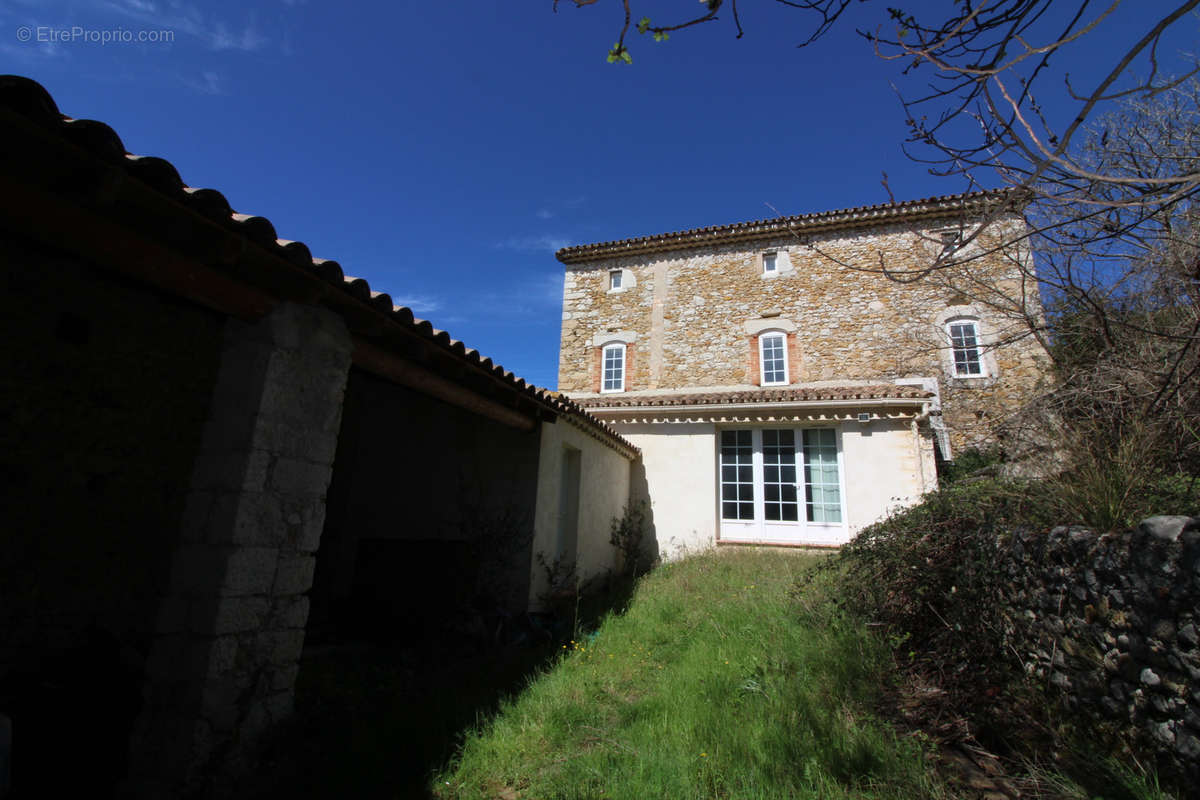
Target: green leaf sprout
(619, 53)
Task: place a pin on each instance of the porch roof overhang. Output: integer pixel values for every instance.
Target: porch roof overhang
(793, 404)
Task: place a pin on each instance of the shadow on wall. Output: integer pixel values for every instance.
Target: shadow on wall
(417, 623)
(105, 405)
(428, 518)
(639, 492)
(419, 646)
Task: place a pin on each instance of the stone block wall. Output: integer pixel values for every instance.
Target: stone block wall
(230, 631)
(1110, 626)
(688, 307)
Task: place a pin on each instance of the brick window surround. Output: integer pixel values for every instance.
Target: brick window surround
(598, 365)
(753, 362)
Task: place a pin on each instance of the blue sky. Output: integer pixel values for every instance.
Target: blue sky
(444, 150)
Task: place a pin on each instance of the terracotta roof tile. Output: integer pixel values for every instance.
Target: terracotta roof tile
(746, 396)
(30, 100)
(859, 216)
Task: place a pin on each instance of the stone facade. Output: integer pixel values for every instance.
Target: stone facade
(690, 314)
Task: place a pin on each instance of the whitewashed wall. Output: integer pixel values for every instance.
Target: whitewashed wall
(680, 463)
(887, 465)
(603, 494)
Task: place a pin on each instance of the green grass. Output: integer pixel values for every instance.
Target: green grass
(720, 681)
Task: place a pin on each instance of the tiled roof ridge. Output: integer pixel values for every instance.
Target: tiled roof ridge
(765, 395)
(28, 98)
(856, 216)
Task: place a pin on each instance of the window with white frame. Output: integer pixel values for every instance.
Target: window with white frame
(770, 262)
(772, 358)
(618, 280)
(965, 348)
(822, 482)
(737, 475)
(781, 485)
(613, 368)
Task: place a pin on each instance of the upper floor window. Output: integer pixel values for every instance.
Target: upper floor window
(613, 368)
(965, 348)
(620, 280)
(953, 243)
(773, 263)
(951, 239)
(772, 352)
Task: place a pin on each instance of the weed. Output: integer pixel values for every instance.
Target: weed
(628, 535)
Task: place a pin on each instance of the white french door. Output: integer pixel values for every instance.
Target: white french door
(781, 485)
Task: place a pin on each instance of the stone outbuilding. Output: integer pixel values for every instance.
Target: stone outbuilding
(198, 420)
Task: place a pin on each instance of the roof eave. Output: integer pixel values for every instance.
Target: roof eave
(99, 201)
(842, 219)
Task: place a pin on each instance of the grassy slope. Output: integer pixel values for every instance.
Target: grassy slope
(719, 682)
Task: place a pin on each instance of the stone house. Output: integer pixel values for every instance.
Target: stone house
(781, 387)
(210, 439)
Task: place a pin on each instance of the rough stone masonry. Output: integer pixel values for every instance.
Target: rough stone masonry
(1110, 624)
(228, 639)
(684, 312)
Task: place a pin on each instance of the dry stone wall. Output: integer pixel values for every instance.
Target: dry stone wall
(1110, 625)
(689, 307)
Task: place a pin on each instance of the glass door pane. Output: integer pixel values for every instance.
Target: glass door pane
(779, 476)
(737, 475)
(822, 493)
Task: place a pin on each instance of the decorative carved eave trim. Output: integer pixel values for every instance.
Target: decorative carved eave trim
(748, 419)
(761, 414)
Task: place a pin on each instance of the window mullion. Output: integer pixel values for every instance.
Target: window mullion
(760, 505)
(841, 473)
(801, 487)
